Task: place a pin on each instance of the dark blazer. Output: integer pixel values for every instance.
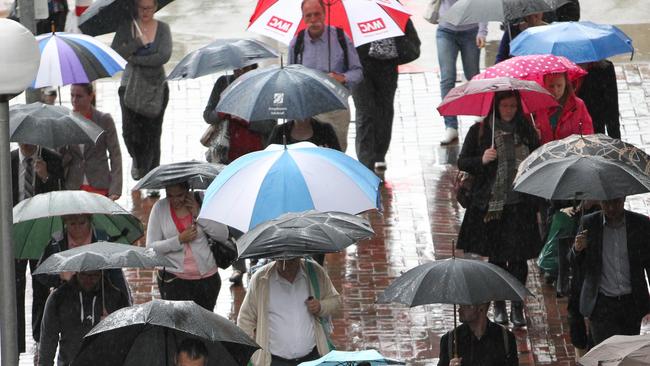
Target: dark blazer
(590, 260)
(55, 178)
(599, 91)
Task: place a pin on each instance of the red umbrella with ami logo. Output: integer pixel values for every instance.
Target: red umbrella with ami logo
(363, 21)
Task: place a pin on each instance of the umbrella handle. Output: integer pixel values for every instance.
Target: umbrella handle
(455, 335)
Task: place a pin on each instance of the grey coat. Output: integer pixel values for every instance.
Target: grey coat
(148, 64)
(94, 162)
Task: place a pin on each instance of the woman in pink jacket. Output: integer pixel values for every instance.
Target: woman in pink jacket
(571, 117)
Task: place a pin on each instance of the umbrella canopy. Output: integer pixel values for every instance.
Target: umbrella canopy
(148, 334)
(619, 350)
(454, 281)
(585, 167)
(37, 218)
(475, 97)
(50, 126)
(197, 174)
(221, 55)
(337, 358)
(303, 233)
(578, 41)
(263, 185)
(104, 16)
(289, 92)
(362, 21)
(69, 58)
(476, 11)
(533, 68)
(102, 255)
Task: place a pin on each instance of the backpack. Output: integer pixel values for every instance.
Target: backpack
(299, 47)
(464, 181)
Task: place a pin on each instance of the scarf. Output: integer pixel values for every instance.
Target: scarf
(510, 152)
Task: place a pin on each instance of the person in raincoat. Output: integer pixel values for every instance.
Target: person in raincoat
(72, 311)
(571, 117)
(499, 222)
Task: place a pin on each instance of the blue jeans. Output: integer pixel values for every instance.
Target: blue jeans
(449, 43)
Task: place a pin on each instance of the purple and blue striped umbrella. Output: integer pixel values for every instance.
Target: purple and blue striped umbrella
(70, 58)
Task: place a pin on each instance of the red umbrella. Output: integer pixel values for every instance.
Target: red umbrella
(533, 67)
(363, 20)
(475, 97)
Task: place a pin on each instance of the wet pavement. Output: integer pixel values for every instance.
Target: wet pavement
(418, 223)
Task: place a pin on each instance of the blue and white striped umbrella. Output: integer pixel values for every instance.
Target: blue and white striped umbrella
(263, 185)
(70, 58)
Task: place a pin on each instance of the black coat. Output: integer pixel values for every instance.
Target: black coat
(515, 236)
(599, 91)
(54, 168)
(497, 347)
(590, 260)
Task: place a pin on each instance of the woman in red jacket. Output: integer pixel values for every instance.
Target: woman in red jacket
(571, 117)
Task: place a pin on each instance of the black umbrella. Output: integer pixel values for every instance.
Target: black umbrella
(104, 16)
(288, 92)
(454, 281)
(50, 126)
(148, 334)
(585, 167)
(197, 174)
(303, 233)
(221, 55)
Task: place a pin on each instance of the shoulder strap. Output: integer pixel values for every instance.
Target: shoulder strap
(313, 278)
(298, 47)
(506, 343)
(340, 35)
(450, 344)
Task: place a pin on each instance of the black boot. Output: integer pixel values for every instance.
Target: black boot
(517, 314)
(500, 314)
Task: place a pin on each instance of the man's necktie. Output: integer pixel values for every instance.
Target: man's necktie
(29, 178)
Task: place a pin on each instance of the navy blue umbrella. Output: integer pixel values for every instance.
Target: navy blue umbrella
(287, 92)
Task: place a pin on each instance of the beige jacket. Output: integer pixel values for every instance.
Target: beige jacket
(253, 315)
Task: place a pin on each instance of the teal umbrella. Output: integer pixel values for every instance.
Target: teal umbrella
(37, 218)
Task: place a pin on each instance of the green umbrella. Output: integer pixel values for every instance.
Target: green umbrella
(37, 218)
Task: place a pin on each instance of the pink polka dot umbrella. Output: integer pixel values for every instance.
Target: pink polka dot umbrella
(533, 68)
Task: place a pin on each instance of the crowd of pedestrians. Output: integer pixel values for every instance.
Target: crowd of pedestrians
(289, 303)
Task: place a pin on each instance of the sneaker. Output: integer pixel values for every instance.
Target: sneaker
(451, 137)
(380, 165)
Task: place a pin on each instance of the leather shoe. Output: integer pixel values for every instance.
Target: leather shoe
(236, 278)
(517, 314)
(500, 314)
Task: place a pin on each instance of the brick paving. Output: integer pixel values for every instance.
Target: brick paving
(418, 223)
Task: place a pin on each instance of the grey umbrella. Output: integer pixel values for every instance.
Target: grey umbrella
(476, 11)
(102, 255)
(197, 174)
(454, 281)
(148, 334)
(585, 167)
(50, 126)
(221, 55)
(303, 233)
(288, 92)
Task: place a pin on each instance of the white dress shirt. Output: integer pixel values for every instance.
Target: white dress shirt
(291, 326)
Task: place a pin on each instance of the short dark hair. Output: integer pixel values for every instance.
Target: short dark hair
(194, 348)
(320, 2)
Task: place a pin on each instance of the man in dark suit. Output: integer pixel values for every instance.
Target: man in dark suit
(32, 172)
(612, 252)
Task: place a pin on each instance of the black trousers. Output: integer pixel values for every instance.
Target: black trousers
(39, 297)
(373, 100)
(204, 292)
(614, 316)
(142, 134)
(279, 361)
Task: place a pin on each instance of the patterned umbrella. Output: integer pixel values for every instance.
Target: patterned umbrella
(69, 58)
(533, 68)
(585, 167)
(475, 97)
(363, 21)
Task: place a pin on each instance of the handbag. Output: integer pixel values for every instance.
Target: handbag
(383, 49)
(224, 253)
(218, 142)
(144, 95)
(408, 45)
(463, 188)
(432, 11)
